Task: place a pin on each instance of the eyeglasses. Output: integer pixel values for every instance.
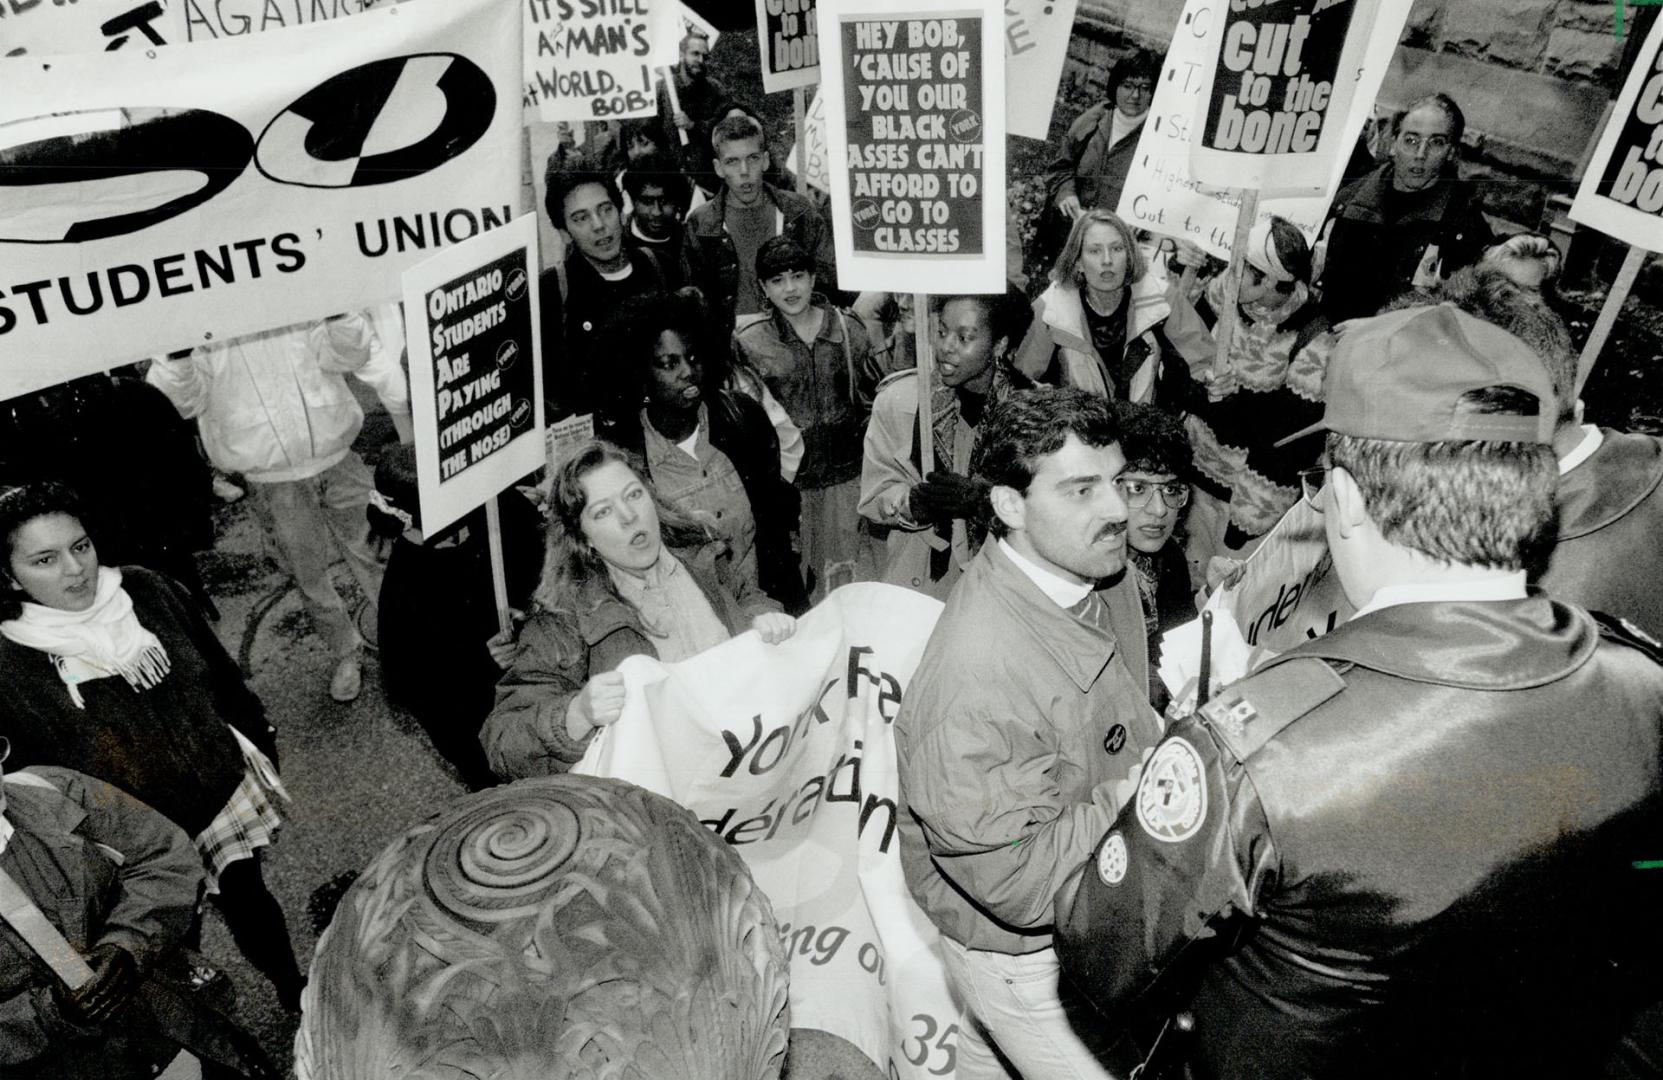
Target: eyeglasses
(1137, 493)
(1138, 86)
(1311, 483)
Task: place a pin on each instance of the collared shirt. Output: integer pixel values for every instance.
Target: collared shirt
(1592, 437)
(674, 612)
(1500, 585)
(1063, 593)
(695, 477)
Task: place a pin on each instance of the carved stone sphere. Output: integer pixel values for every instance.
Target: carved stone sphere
(562, 927)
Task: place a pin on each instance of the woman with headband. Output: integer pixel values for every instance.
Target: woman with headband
(1271, 386)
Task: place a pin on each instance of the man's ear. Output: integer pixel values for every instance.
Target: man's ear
(1345, 502)
(1002, 348)
(1009, 505)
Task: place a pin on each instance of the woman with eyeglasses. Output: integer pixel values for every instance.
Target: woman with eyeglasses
(1155, 485)
(1272, 386)
(1091, 165)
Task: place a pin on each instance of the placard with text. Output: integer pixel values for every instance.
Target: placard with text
(595, 59)
(1279, 81)
(476, 384)
(788, 39)
(1622, 192)
(915, 125)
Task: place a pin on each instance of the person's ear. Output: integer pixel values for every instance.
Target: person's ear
(1345, 502)
(1010, 506)
(1002, 348)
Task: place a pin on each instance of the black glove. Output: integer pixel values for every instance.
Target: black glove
(115, 979)
(943, 496)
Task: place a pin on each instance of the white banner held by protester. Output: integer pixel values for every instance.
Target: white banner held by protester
(915, 110)
(788, 38)
(1621, 194)
(476, 388)
(590, 61)
(1161, 192)
(1036, 47)
(692, 22)
(46, 29)
(206, 20)
(1277, 86)
(814, 134)
(306, 179)
(787, 753)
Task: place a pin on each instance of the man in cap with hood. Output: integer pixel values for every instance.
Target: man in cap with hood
(1408, 847)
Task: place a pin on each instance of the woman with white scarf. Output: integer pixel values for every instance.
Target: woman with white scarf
(116, 674)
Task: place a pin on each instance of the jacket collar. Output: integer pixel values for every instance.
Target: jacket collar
(1472, 645)
(1372, 191)
(1623, 472)
(1082, 651)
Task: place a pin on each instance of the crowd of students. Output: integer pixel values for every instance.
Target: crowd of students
(757, 445)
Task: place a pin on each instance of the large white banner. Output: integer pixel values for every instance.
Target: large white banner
(1622, 192)
(915, 124)
(209, 20)
(154, 199)
(1162, 193)
(787, 753)
(45, 27)
(1036, 47)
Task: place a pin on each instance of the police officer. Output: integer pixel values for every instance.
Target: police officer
(1414, 846)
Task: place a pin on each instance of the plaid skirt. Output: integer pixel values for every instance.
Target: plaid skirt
(249, 820)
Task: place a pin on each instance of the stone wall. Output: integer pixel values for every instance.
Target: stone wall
(1533, 76)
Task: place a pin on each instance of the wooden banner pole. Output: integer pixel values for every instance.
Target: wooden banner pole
(499, 580)
(1614, 299)
(675, 100)
(1246, 214)
(799, 109)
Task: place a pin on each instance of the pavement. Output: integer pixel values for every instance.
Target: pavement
(360, 773)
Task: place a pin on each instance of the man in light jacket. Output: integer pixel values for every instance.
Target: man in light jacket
(274, 407)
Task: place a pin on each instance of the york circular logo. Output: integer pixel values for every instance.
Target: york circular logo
(522, 414)
(864, 213)
(507, 353)
(965, 126)
(516, 283)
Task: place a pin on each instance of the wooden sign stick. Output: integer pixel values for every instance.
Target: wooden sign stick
(1608, 314)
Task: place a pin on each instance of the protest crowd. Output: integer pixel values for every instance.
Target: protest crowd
(1418, 839)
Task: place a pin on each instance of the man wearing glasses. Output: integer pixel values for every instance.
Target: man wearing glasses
(1410, 846)
(1091, 165)
(1408, 224)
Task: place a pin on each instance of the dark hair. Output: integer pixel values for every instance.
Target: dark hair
(660, 168)
(1153, 440)
(780, 254)
(645, 128)
(1485, 291)
(19, 506)
(1471, 503)
(1137, 62)
(636, 326)
(1008, 314)
(569, 563)
(564, 177)
(737, 128)
(1291, 249)
(1444, 104)
(1066, 269)
(1031, 424)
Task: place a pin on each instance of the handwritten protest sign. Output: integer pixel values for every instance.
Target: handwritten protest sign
(594, 59)
(1622, 191)
(916, 143)
(476, 388)
(788, 36)
(304, 181)
(43, 29)
(1162, 193)
(813, 169)
(1277, 88)
(694, 23)
(206, 20)
(787, 753)
(1036, 46)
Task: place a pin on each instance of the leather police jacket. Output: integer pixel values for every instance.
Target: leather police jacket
(1406, 848)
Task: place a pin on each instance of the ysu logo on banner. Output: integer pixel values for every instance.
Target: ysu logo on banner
(378, 123)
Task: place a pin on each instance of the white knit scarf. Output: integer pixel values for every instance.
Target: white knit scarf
(105, 639)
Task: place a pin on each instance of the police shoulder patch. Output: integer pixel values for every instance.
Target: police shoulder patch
(1112, 859)
(1172, 795)
(1246, 715)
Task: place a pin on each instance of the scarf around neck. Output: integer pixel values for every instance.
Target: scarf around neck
(105, 639)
